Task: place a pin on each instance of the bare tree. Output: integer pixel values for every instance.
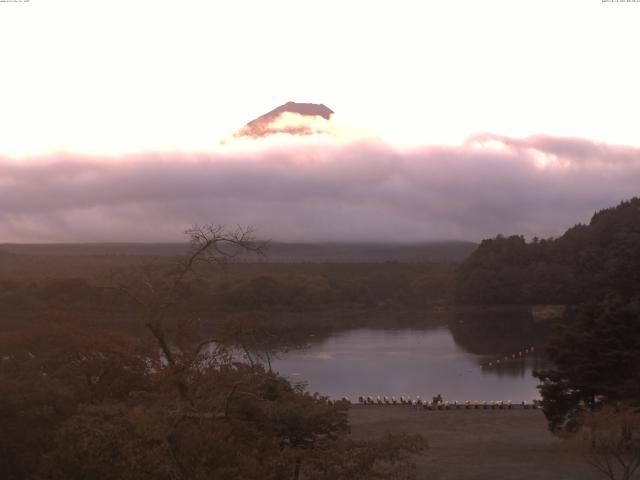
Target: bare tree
(155, 294)
(611, 437)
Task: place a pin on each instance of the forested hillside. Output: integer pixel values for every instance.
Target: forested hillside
(278, 252)
(586, 263)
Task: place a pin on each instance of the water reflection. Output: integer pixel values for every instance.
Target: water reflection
(451, 360)
(507, 343)
(497, 333)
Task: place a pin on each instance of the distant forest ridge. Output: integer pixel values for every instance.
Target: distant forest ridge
(445, 251)
(587, 263)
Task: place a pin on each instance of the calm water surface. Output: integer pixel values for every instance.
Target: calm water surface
(423, 362)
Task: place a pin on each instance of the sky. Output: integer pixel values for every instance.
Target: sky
(463, 119)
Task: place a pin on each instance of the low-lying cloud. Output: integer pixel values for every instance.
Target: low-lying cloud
(366, 191)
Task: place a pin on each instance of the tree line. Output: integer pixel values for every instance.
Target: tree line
(296, 287)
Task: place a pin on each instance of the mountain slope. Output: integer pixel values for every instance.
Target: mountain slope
(291, 118)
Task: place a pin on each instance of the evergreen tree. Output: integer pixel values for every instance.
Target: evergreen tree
(596, 361)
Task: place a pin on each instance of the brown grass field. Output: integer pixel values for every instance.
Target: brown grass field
(478, 444)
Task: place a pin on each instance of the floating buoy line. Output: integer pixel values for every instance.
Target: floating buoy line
(514, 356)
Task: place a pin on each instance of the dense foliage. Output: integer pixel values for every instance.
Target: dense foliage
(587, 262)
(79, 403)
(595, 360)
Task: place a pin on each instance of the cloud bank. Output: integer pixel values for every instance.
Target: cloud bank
(366, 191)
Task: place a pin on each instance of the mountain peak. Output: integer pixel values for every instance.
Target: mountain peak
(291, 118)
(310, 109)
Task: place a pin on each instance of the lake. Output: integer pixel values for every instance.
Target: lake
(466, 360)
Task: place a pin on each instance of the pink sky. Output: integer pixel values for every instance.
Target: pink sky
(453, 119)
(112, 77)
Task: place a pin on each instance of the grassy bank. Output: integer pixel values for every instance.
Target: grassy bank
(478, 444)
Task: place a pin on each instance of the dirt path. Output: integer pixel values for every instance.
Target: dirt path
(478, 444)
